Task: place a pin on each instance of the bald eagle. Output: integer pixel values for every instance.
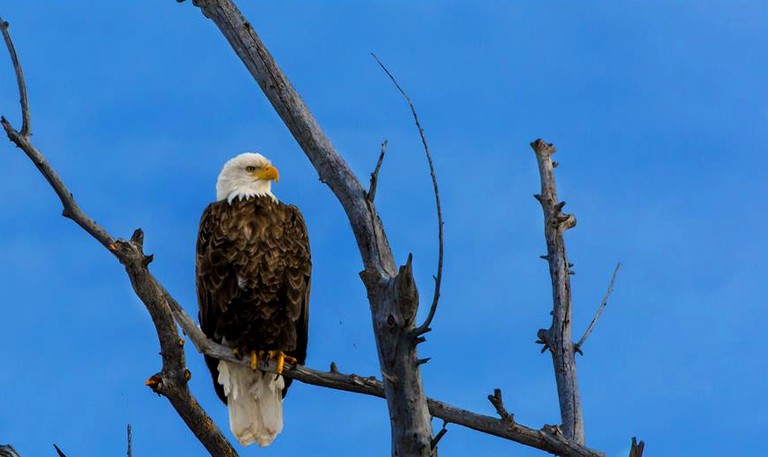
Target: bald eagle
(253, 272)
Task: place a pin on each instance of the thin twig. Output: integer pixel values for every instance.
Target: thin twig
(498, 402)
(59, 451)
(578, 345)
(439, 435)
(424, 327)
(25, 117)
(130, 442)
(375, 175)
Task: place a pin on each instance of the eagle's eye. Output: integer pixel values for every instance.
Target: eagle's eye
(250, 168)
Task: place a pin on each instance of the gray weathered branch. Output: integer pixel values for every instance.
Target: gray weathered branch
(558, 337)
(25, 117)
(391, 290)
(546, 439)
(172, 379)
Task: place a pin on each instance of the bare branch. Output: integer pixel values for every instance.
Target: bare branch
(558, 337)
(504, 427)
(424, 327)
(498, 403)
(375, 175)
(6, 450)
(130, 442)
(637, 448)
(174, 375)
(577, 346)
(439, 435)
(25, 118)
(59, 451)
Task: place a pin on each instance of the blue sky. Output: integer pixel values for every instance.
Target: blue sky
(659, 111)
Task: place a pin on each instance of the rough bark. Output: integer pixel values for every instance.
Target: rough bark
(558, 337)
(391, 293)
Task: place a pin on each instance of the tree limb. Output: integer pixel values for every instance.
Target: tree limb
(577, 346)
(504, 427)
(424, 327)
(558, 337)
(174, 375)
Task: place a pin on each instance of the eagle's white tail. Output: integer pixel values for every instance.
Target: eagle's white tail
(255, 402)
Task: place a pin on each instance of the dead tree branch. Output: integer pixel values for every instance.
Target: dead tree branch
(637, 448)
(504, 427)
(174, 374)
(25, 117)
(391, 290)
(375, 175)
(424, 327)
(558, 337)
(6, 450)
(129, 453)
(577, 346)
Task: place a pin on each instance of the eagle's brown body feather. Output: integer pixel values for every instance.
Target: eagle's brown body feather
(253, 271)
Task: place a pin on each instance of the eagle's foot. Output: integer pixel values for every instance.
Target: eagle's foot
(281, 358)
(255, 356)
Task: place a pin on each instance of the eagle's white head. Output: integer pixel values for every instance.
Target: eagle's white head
(247, 175)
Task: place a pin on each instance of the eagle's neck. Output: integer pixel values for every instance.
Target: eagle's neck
(231, 191)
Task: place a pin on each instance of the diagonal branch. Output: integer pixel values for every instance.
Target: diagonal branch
(577, 346)
(174, 375)
(558, 337)
(25, 117)
(424, 327)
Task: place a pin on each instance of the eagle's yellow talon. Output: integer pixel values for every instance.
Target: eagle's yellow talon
(254, 360)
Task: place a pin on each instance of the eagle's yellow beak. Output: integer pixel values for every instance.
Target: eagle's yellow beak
(267, 172)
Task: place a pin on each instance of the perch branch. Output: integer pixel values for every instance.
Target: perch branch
(375, 175)
(25, 117)
(174, 375)
(504, 427)
(424, 327)
(577, 346)
(558, 337)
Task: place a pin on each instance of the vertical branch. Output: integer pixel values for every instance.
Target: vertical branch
(558, 337)
(25, 117)
(130, 442)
